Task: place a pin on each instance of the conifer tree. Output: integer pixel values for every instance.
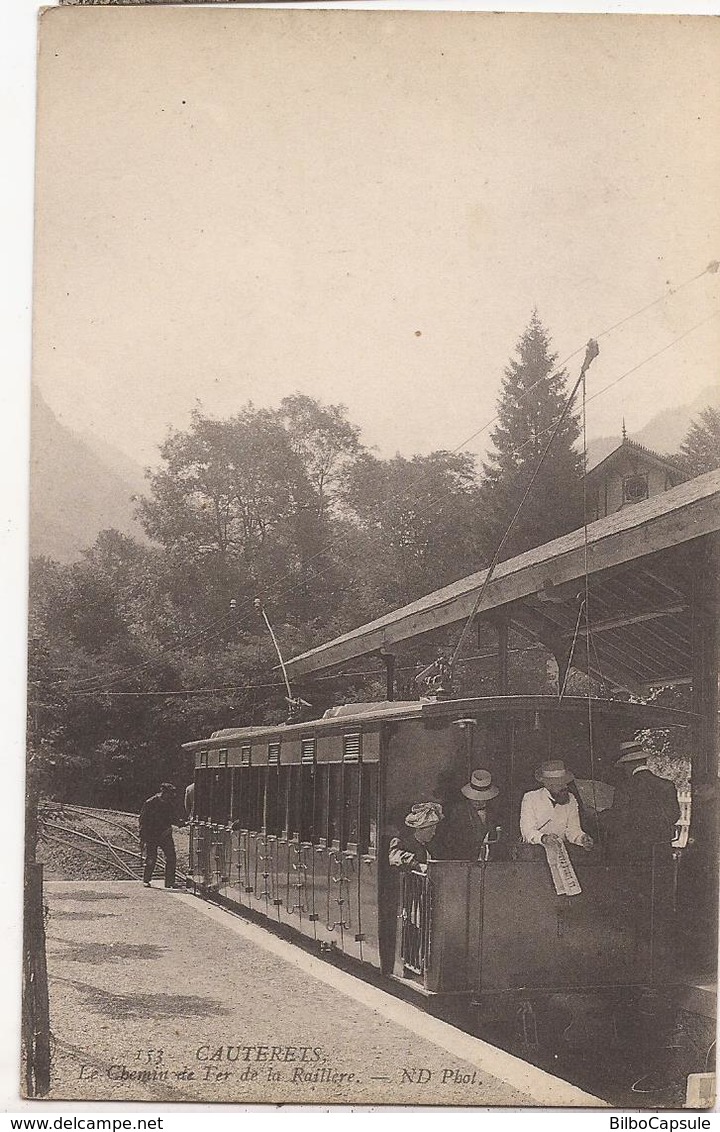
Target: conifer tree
(700, 450)
(531, 402)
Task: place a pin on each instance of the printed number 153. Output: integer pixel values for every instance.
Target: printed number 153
(150, 1056)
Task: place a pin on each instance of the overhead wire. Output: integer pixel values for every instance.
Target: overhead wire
(192, 640)
(711, 269)
(203, 634)
(590, 353)
(627, 373)
(555, 372)
(255, 686)
(586, 604)
(616, 381)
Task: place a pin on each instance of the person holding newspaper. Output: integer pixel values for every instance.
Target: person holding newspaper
(552, 811)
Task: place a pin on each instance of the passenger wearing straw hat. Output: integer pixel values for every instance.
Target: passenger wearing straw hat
(645, 811)
(423, 819)
(467, 834)
(552, 811)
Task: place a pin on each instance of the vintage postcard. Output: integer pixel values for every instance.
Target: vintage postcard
(373, 617)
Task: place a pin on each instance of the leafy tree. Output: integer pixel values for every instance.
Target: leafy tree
(531, 402)
(324, 440)
(419, 519)
(700, 450)
(226, 484)
(232, 495)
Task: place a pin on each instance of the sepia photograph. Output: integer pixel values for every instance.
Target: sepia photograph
(374, 532)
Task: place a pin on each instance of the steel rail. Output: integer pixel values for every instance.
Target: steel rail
(119, 867)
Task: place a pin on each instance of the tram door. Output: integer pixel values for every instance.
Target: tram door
(221, 863)
(330, 879)
(368, 860)
(241, 807)
(297, 876)
(345, 849)
(268, 845)
(199, 839)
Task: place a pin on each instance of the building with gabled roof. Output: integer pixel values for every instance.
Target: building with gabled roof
(627, 475)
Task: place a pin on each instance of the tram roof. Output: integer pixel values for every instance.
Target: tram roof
(634, 715)
(640, 566)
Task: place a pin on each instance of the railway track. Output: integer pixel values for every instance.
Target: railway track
(107, 838)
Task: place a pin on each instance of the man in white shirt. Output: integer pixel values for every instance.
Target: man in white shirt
(552, 811)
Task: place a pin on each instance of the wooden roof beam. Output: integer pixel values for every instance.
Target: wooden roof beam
(683, 513)
(635, 618)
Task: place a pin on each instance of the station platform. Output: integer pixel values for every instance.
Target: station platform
(159, 997)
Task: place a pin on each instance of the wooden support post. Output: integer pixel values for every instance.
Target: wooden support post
(705, 650)
(503, 668)
(388, 659)
(35, 1005)
(702, 896)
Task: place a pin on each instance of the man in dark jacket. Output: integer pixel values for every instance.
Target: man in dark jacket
(156, 821)
(466, 834)
(645, 810)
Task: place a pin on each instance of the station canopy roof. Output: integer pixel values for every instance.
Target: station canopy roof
(642, 566)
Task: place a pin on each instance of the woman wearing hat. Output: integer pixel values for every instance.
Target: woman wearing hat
(552, 811)
(423, 820)
(467, 834)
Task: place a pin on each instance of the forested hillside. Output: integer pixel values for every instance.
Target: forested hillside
(148, 642)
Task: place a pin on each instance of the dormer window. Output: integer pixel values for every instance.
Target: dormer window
(635, 488)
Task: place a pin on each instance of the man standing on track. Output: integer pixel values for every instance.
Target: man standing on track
(156, 821)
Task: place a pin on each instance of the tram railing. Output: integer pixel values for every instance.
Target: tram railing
(210, 854)
(199, 845)
(416, 916)
(222, 856)
(474, 926)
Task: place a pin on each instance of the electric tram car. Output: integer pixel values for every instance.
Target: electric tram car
(293, 822)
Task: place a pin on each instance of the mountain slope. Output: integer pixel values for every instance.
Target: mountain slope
(74, 492)
(664, 432)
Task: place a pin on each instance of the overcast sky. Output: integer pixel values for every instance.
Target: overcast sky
(366, 206)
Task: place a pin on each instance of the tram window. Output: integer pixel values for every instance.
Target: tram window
(368, 808)
(234, 793)
(260, 798)
(220, 796)
(253, 812)
(202, 794)
(335, 805)
(283, 798)
(245, 797)
(273, 819)
(351, 804)
(307, 808)
(211, 794)
(295, 803)
(322, 784)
